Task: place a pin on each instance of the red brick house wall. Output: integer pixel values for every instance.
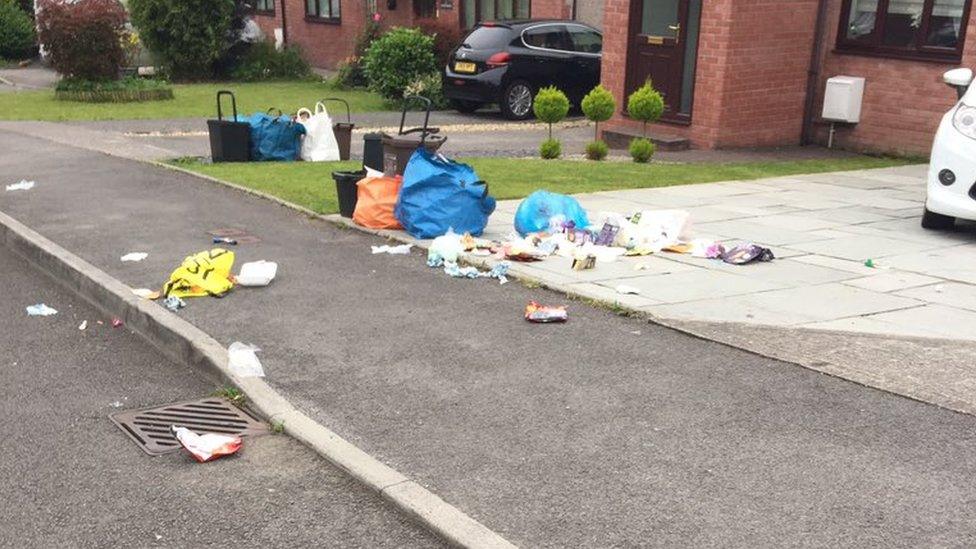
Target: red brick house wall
(903, 100)
(327, 44)
(750, 78)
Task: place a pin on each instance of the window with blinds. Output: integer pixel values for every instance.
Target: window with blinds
(924, 29)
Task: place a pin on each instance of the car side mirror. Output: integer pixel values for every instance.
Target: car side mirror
(960, 79)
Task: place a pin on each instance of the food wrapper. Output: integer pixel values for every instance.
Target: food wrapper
(206, 447)
(583, 263)
(543, 314)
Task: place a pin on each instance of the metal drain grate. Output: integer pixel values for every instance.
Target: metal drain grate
(241, 236)
(150, 428)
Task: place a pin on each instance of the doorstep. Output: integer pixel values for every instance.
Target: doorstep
(620, 139)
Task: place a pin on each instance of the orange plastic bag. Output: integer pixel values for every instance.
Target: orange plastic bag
(376, 199)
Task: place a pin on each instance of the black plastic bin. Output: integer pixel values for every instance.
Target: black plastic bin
(397, 149)
(342, 130)
(347, 191)
(229, 139)
(373, 151)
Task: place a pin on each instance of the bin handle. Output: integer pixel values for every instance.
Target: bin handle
(340, 100)
(403, 116)
(233, 102)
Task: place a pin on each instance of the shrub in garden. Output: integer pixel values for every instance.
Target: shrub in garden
(189, 36)
(550, 149)
(84, 39)
(263, 62)
(598, 106)
(351, 73)
(428, 86)
(16, 31)
(597, 150)
(646, 105)
(641, 150)
(397, 59)
(550, 106)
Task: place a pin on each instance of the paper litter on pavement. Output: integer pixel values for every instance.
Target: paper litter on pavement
(403, 249)
(24, 185)
(41, 310)
(242, 360)
(134, 256)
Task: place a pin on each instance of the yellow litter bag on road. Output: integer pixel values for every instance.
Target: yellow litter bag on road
(202, 274)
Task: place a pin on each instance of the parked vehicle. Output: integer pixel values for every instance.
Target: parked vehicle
(951, 189)
(507, 62)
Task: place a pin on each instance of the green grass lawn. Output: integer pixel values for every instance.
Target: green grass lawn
(310, 184)
(191, 100)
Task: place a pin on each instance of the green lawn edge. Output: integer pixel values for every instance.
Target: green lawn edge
(310, 185)
(189, 101)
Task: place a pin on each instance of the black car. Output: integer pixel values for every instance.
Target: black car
(507, 62)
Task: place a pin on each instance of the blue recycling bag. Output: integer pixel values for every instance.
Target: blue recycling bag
(275, 137)
(439, 194)
(535, 212)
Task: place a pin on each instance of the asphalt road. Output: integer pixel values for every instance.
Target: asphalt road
(604, 431)
(70, 478)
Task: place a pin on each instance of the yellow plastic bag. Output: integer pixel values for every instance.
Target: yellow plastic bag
(202, 274)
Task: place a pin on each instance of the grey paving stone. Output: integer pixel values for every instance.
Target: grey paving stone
(861, 247)
(949, 322)
(698, 284)
(830, 301)
(891, 281)
(954, 294)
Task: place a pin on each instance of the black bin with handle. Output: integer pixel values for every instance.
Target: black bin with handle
(229, 139)
(342, 130)
(397, 149)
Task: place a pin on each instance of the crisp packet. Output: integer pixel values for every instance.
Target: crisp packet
(543, 314)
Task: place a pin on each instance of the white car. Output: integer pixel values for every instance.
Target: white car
(951, 190)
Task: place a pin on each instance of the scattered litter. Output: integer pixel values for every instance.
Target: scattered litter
(99, 322)
(747, 253)
(172, 303)
(641, 267)
(625, 289)
(584, 263)
(543, 314)
(134, 256)
(608, 234)
(499, 271)
(636, 332)
(41, 310)
(146, 293)
(224, 240)
(206, 447)
(202, 274)
(403, 249)
(257, 273)
(678, 248)
(24, 185)
(702, 247)
(83, 325)
(544, 211)
(117, 403)
(117, 322)
(243, 361)
(444, 249)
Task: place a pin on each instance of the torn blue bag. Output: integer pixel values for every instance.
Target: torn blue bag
(439, 194)
(536, 212)
(275, 137)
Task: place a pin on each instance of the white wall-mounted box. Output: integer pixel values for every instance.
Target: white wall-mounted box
(842, 99)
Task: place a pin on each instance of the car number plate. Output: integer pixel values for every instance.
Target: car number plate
(464, 66)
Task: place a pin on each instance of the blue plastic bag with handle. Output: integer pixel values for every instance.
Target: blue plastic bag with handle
(275, 137)
(439, 194)
(536, 211)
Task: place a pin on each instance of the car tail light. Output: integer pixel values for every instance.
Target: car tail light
(499, 59)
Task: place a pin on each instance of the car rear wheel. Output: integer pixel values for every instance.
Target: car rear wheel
(466, 107)
(937, 221)
(516, 100)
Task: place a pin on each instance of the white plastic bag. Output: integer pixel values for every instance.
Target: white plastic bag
(242, 360)
(208, 446)
(257, 273)
(319, 144)
(444, 249)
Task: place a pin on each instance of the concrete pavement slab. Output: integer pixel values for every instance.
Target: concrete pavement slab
(583, 434)
(953, 322)
(862, 247)
(886, 282)
(694, 285)
(953, 294)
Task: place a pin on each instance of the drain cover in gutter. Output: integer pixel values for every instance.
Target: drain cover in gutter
(150, 428)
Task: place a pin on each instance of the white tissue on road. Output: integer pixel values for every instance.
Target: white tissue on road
(41, 310)
(403, 249)
(242, 360)
(24, 185)
(134, 256)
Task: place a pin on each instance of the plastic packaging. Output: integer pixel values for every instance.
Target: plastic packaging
(319, 144)
(403, 249)
(243, 361)
(747, 253)
(134, 256)
(543, 314)
(24, 185)
(257, 273)
(41, 310)
(541, 209)
(444, 249)
(206, 447)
